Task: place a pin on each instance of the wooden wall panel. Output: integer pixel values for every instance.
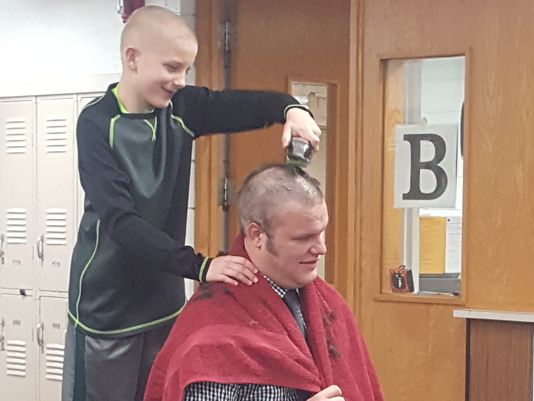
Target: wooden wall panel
(418, 351)
(500, 361)
(498, 196)
(501, 173)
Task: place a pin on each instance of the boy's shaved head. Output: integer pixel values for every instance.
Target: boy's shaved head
(157, 51)
(147, 25)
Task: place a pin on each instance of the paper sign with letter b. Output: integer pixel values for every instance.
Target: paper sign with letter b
(425, 166)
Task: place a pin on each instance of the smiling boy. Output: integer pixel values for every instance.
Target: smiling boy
(134, 149)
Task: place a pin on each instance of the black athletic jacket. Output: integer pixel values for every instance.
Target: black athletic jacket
(129, 260)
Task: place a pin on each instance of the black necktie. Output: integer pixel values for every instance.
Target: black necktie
(291, 298)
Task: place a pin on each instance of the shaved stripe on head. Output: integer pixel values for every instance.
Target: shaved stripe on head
(271, 189)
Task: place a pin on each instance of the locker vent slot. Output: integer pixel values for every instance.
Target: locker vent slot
(56, 135)
(56, 226)
(16, 358)
(54, 362)
(16, 134)
(16, 230)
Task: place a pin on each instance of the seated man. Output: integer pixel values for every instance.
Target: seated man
(289, 337)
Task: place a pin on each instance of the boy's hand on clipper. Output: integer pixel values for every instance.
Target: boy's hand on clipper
(232, 270)
(300, 123)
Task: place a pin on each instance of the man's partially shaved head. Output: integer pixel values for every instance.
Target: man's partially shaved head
(271, 189)
(149, 24)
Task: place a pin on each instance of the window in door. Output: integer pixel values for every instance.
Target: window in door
(423, 176)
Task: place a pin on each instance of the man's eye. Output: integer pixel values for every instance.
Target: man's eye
(305, 238)
(171, 68)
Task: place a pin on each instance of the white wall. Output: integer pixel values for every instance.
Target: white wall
(57, 45)
(60, 46)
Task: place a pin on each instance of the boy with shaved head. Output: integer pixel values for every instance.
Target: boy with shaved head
(134, 149)
(290, 337)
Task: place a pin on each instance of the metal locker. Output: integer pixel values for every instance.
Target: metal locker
(51, 341)
(17, 181)
(56, 195)
(18, 351)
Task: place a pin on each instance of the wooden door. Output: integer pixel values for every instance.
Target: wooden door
(417, 345)
(274, 43)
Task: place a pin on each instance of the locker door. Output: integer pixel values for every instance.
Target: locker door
(17, 183)
(18, 353)
(56, 193)
(52, 347)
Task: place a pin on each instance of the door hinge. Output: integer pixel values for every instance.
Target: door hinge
(226, 193)
(226, 34)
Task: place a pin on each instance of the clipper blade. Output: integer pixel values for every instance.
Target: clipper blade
(299, 152)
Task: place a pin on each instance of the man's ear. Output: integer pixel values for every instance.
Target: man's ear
(253, 233)
(131, 55)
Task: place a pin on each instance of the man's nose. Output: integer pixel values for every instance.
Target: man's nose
(320, 247)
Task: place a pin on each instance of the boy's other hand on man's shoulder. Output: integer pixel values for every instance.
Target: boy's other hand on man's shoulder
(232, 270)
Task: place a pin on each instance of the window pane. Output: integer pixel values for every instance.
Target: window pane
(423, 182)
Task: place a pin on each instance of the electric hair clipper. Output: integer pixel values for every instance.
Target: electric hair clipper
(299, 152)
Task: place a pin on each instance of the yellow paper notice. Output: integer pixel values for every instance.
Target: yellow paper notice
(432, 244)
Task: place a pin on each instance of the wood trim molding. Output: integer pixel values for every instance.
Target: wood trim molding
(353, 293)
(209, 72)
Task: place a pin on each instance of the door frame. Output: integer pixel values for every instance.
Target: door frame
(209, 72)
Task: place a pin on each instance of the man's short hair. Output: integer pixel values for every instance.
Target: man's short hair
(269, 189)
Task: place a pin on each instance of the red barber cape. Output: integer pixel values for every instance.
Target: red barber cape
(246, 334)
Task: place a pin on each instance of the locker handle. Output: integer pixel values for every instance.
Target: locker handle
(40, 336)
(2, 252)
(2, 337)
(40, 247)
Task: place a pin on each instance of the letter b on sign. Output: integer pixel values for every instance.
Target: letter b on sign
(425, 166)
